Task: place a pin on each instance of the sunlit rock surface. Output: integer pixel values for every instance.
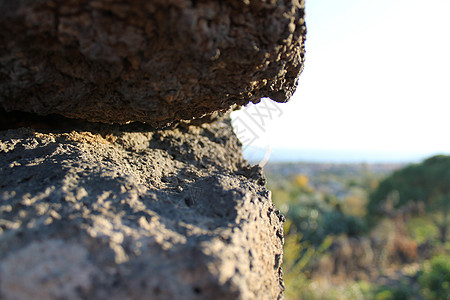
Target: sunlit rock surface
(90, 210)
(129, 212)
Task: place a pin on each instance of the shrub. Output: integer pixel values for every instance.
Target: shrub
(427, 182)
(435, 279)
(316, 218)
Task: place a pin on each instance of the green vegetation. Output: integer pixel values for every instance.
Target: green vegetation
(402, 291)
(428, 183)
(365, 231)
(435, 280)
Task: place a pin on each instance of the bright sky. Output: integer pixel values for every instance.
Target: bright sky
(376, 78)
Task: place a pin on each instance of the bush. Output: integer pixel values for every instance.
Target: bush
(316, 218)
(427, 182)
(298, 256)
(402, 292)
(435, 279)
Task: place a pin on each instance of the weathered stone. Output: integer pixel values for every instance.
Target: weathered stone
(150, 61)
(126, 212)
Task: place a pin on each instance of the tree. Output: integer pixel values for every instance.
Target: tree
(428, 181)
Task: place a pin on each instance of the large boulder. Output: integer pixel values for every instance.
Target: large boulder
(127, 212)
(151, 61)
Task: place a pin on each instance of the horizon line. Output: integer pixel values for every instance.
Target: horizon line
(253, 154)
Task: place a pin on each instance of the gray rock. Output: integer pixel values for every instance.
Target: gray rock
(151, 61)
(128, 212)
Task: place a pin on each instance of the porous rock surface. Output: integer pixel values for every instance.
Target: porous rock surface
(128, 212)
(150, 61)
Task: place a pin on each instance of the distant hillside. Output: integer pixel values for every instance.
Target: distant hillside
(343, 169)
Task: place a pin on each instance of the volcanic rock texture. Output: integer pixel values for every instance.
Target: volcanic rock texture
(151, 61)
(128, 212)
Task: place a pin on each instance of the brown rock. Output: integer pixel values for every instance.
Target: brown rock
(150, 61)
(126, 212)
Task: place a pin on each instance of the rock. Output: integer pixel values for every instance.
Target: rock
(128, 212)
(149, 61)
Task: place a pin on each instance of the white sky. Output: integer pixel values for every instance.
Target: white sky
(376, 77)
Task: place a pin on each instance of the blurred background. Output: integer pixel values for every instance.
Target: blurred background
(359, 160)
